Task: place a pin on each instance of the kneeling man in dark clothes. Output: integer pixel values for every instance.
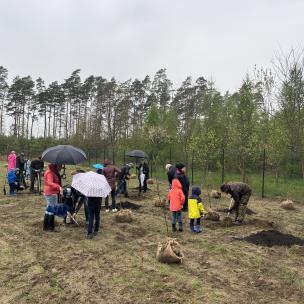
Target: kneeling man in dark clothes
(240, 192)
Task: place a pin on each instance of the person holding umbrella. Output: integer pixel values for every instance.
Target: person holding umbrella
(143, 175)
(94, 186)
(52, 189)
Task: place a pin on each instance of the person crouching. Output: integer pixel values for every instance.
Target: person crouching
(196, 210)
(177, 199)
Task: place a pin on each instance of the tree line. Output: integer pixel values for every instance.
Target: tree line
(193, 121)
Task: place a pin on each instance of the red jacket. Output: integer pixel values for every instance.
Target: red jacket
(176, 196)
(51, 182)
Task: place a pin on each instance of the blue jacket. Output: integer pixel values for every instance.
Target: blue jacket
(11, 177)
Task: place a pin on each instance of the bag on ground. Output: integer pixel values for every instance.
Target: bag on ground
(169, 252)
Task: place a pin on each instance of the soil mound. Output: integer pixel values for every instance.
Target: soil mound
(129, 205)
(273, 238)
(288, 205)
(215, 194)
(124, 216)
(225, 210)
(212, 216)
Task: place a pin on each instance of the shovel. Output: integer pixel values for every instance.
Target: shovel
(227, 220)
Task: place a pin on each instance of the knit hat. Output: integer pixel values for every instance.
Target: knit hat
(179, 166)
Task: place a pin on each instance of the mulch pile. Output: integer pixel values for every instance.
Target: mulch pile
(273, 238)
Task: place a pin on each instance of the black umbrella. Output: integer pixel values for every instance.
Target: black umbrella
(64, 154)
(137, 154)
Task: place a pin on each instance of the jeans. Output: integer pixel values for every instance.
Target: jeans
(51, 200)
(176, 216)
(122, 187)
(12, 188)
(94, 204)
(113, 195)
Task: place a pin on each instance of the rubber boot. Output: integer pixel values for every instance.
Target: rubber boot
(180, 227)
(198, 229)
(192, 228)
(52, 222)
(46, 222)
(173, 228)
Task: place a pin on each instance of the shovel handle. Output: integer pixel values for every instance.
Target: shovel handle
(231, 202)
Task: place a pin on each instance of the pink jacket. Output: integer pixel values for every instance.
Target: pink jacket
(11, 161)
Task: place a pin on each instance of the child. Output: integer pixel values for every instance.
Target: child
(196, 209)
(11, 177)
(177, 199)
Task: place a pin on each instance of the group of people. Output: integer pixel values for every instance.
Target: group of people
(179, 200)
(74, 200)
(19, 169)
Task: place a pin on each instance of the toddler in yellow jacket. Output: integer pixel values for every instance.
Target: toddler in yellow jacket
(195, 210)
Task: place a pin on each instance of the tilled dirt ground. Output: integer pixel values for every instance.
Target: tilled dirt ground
(119, 265)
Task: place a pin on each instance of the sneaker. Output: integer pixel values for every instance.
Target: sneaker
(107, 210)
(238, 223)
(114, 210)
(198, 229)
(95, 233)
(180, 229)
(90, 236)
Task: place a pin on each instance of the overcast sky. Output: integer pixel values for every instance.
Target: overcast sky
(132, 38)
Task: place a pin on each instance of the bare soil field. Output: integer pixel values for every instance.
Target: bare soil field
(221, 265)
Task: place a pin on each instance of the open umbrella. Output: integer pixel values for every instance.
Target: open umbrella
(91, 184)
(137, 154)
(98, 166)
(64, 154)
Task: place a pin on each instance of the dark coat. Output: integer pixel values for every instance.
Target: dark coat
(124, 172)
(20, 162)
(171, 174)
(183, 179)
(237, 190)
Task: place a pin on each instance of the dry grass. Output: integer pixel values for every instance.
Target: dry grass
(119, 265)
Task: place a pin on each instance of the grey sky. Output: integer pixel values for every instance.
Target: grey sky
(132, 38)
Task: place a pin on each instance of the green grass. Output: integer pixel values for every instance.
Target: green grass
(286, 188)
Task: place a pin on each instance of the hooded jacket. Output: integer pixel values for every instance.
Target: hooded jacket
(11, 161)
(51, 180)
(195, 205)
(176, 196)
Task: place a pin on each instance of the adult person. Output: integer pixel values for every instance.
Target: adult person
(143, 169)
(123, 176)
(11, 161)
(110, 171)
(37, 166)
(79, 200)
(52, 189)
(180, 174)
(94, 206)
(20, 164)
(240, 193)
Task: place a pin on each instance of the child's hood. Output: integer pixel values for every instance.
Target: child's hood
(196, 191)
(176, 184)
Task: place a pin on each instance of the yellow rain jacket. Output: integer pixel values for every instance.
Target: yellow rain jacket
(195, 209)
